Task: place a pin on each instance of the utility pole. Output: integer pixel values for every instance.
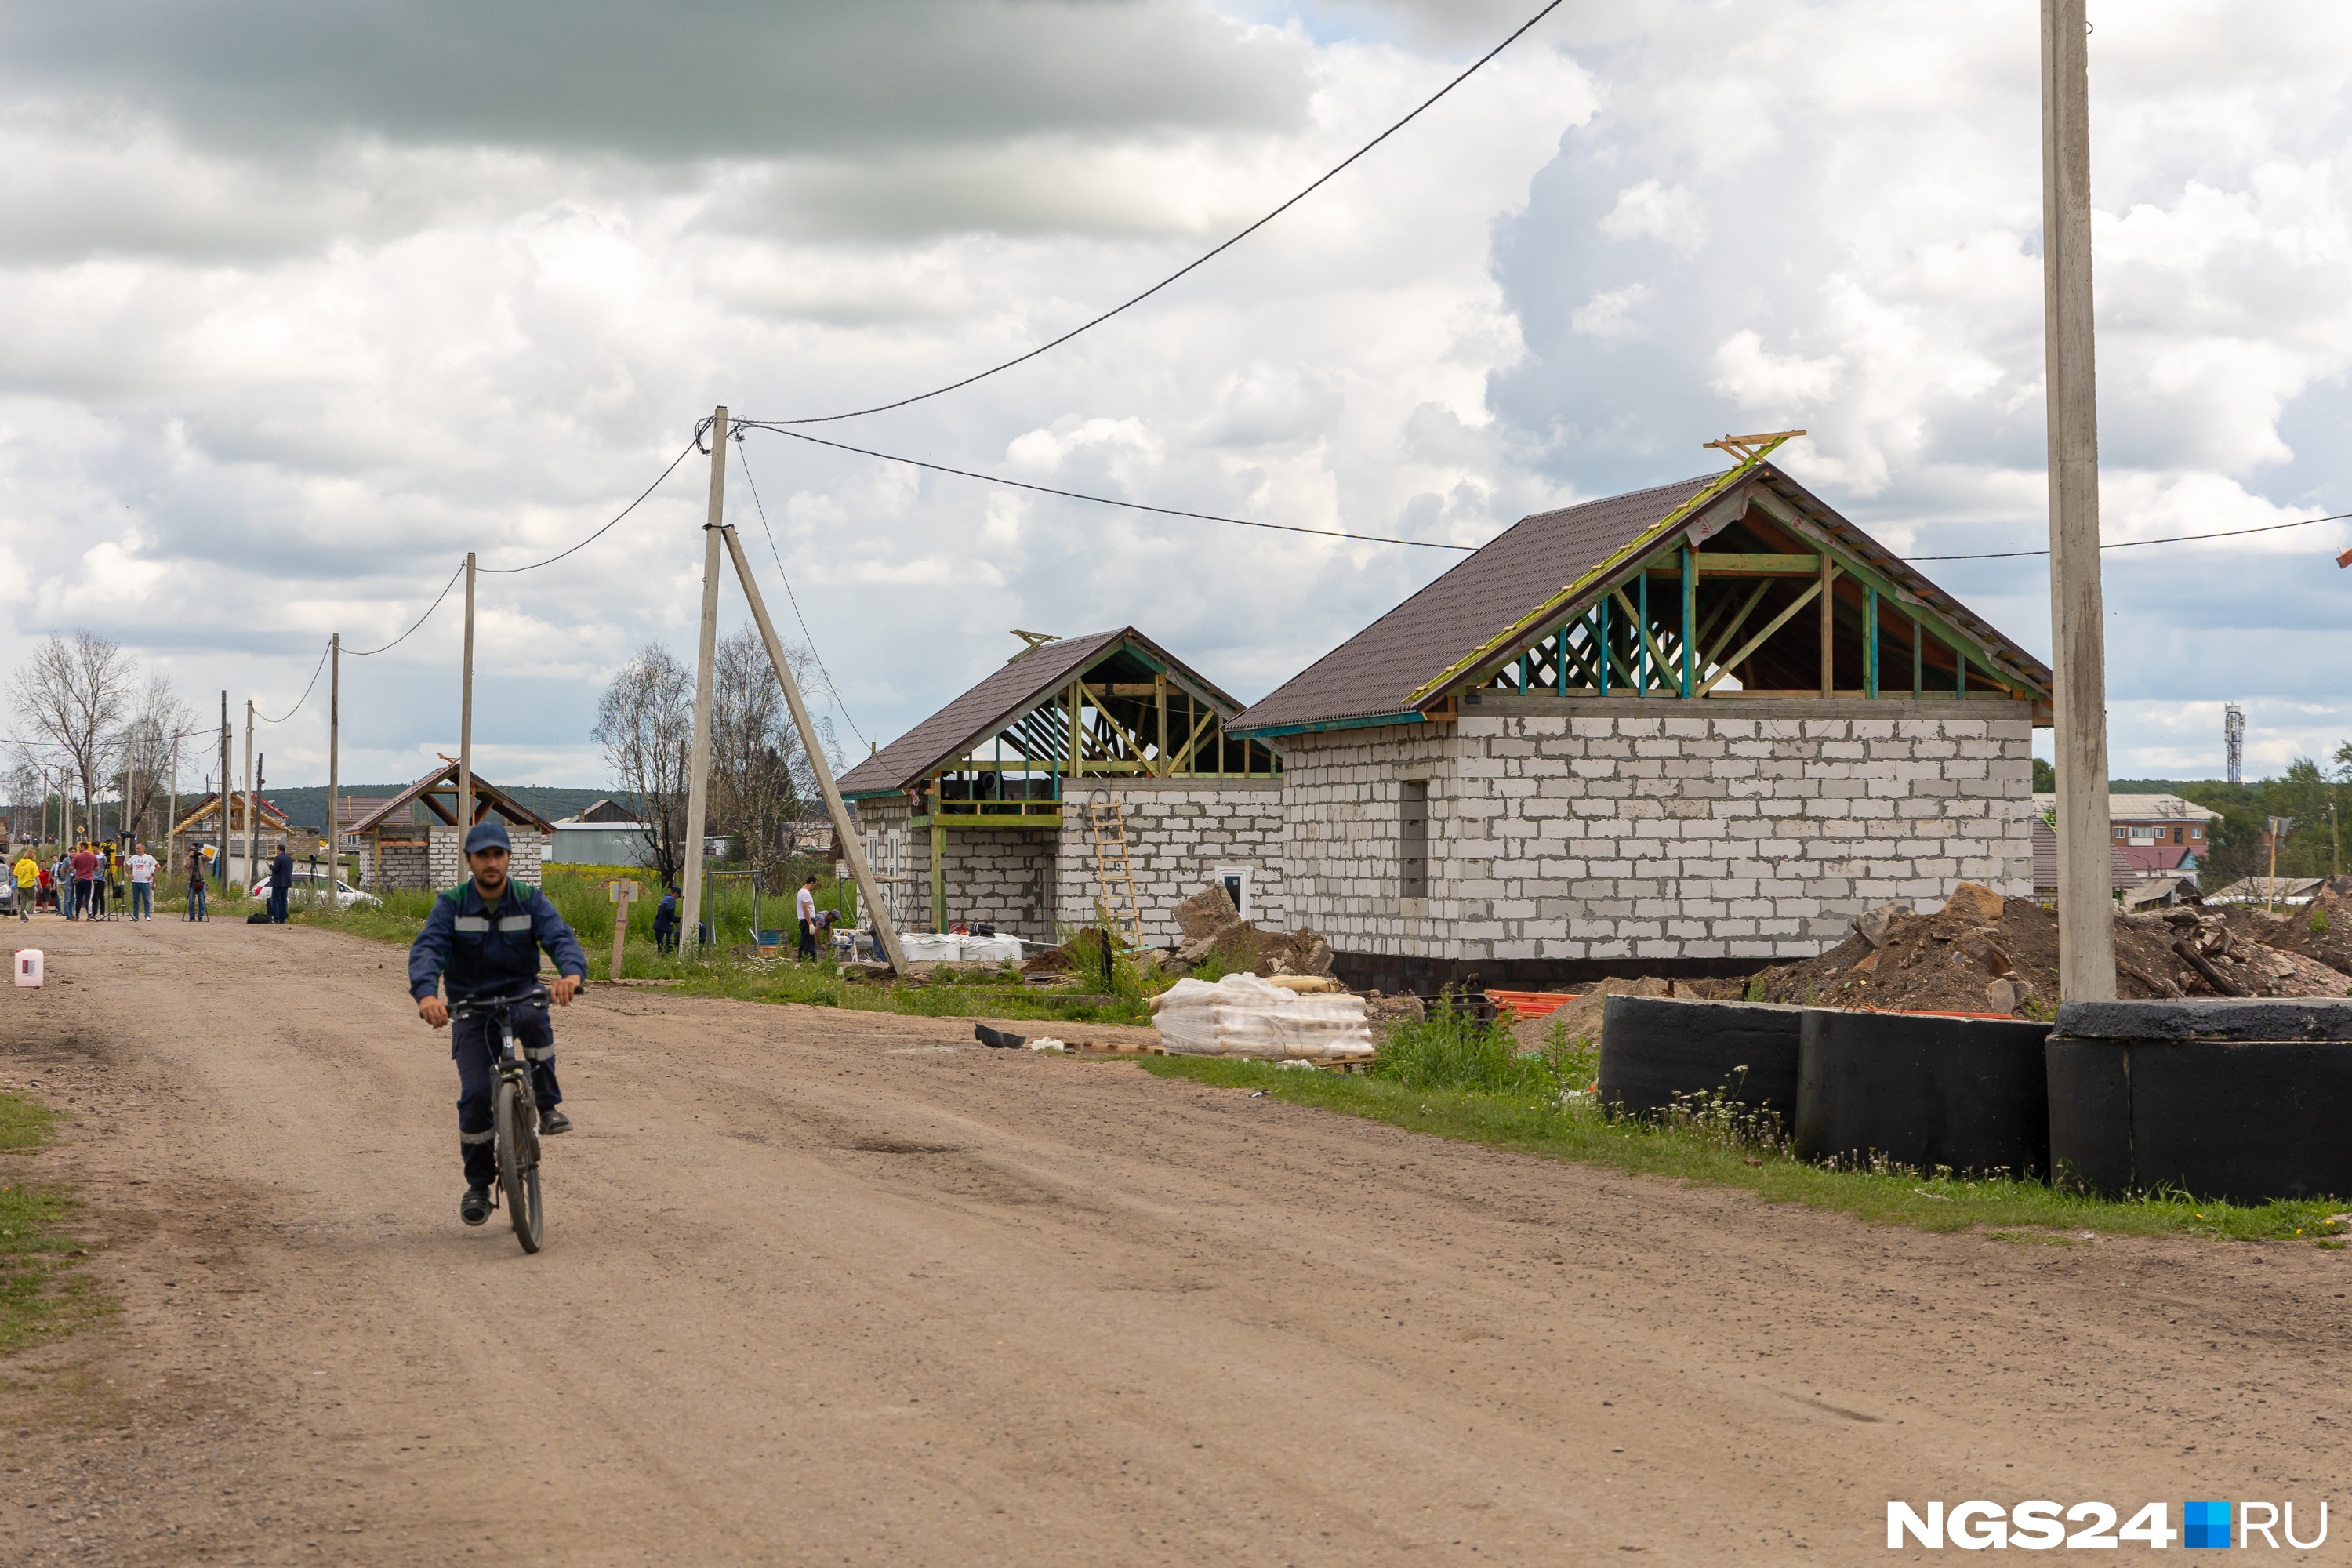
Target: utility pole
(845, 834)
(248, 797)
(2086, 929)
(466, 729)
(334, 756)
(220, 796)
(698, 779)
(172, 810)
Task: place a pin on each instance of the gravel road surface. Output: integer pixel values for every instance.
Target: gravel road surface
(842, 1287)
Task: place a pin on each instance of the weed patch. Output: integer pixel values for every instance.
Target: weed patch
(41, 1291)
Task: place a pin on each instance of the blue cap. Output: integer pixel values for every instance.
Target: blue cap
(490, 835)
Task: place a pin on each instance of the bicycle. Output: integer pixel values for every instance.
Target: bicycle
(515, 1117)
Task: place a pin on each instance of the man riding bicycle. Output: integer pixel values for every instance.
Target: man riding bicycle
(487, 934)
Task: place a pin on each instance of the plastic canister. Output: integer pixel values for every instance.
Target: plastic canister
(28, 966)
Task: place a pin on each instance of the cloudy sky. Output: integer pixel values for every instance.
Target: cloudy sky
(301, 303)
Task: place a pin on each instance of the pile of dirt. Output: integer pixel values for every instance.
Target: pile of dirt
(1214, 930)
(1982, 953)
(1082, 954)
(1580, 1017)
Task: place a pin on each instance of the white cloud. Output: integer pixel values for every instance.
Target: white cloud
(1668, 214)
(1607, 313)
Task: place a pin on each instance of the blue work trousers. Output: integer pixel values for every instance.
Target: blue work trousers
(474, 1042)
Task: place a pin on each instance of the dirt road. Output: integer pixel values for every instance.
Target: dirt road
(832, 1286)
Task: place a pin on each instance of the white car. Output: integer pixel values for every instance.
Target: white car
(309, 885)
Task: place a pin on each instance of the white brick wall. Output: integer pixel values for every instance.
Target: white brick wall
(1179, 831)
(1613, 829)
(1034, 883)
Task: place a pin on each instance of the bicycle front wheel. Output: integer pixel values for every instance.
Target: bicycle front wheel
(518, 1123)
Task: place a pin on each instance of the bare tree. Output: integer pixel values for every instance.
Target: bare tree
(644, 721)
(75, 693)
(143, 757)
(762, 787)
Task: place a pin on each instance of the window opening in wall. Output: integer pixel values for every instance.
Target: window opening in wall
(1236, 880)
(1414, 838)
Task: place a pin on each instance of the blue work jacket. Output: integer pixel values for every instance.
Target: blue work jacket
(483, 951)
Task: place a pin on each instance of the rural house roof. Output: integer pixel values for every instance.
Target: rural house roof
(2126, 808)
(488, 797)
(270, 817)
(2045, 862)
(1547, 569)
(1028, 679)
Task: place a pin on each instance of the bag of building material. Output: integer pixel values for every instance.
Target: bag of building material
(931, 947)
(991, 950)
(1242, 1016)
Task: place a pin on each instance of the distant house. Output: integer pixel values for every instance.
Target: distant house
(397, 852)
(201, 824)
(2143, 824)
(2160, 893)
(2270, 890)
(603, 833)
(2125, 877)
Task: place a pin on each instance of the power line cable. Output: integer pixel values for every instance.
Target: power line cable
(2136, 543)
(1197, 261)
(306, 690)
(371, 653)
(1101, 500)
(760, 506)
(693, 445)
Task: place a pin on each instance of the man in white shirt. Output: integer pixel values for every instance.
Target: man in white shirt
(142, 883)
(804, 908)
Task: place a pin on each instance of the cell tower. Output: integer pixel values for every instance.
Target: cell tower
(2233, 741)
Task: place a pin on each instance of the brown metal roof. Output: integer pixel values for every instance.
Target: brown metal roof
(1009, 692)
(1376, 672)
(488, 797)
(2045, 861)
(1549, 568)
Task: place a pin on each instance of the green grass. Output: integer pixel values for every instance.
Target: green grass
(41, 1292)
(579, 896)
(1436, 1079)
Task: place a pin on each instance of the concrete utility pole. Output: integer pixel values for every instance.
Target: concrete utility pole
(172, 811)
(698, 778)
(845, 834)
(248, 882)
(2086, 931)
(334, 755)
(220, 796)
(466, 728)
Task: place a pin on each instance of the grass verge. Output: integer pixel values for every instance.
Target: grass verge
(1530, 1117)
(41, 1291)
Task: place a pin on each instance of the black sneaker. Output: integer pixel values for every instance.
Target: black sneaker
(473, 1208)
(553, 1120)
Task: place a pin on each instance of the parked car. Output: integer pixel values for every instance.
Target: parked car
(310, 885)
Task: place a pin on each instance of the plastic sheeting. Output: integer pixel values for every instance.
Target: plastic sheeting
(1242, 1016)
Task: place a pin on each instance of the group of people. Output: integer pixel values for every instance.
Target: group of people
(80, 884)
(83, 883)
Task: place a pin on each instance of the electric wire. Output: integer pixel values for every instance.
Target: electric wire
(1198, 261)
(265, 718)
(1101, 500)
(760, 506)
(371, 653)
(2136, 543)
(693, 445)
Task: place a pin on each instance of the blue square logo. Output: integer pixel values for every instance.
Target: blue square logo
(2205, 1523)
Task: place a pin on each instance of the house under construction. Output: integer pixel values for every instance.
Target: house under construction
(1090, 772)
(396, 851)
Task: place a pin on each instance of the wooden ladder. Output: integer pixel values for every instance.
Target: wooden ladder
(1100, 809)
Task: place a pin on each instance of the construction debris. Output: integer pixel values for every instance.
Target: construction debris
(1982, 953)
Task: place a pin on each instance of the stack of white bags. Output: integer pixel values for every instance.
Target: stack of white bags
(1242, 1016)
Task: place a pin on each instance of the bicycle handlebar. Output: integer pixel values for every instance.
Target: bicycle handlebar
(472, 1005)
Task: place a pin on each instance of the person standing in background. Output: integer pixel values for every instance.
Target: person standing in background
(281, 882)
(804, 910)
(86, 869)
(27, 872)
(196, 856)
(142, 867)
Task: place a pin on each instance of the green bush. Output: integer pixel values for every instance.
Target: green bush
(1451, 1050)
(2318, 920)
